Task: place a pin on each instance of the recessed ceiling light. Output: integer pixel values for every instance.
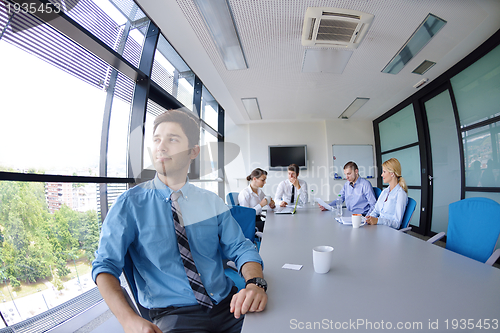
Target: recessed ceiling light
(424, 67)
(353, 107)
(418, 40)
(219, 21)
(252, 107)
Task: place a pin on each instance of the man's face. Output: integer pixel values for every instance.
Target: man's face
(351, 175)
(171, 153)
(292, 176)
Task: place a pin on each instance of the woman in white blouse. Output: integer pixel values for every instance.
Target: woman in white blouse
(254, 197)
(391, 203)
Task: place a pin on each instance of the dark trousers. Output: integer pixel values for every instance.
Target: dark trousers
(259, 223)
(197, 319)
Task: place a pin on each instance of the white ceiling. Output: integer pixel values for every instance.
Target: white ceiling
(270, 33)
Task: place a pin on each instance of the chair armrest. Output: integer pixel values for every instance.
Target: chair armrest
(405, 229)
(259, 234)
(130, 301)
(493, 258)
(436, 237)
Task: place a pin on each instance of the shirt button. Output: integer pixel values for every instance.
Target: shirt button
(211, 294)
(199, 274)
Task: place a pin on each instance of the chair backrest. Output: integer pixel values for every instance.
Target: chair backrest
(473, 227)
(377, 192)
(232, 199)
(128, 271)
(410, 208)
(246, 219)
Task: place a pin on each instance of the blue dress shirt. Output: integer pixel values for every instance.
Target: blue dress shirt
(390, 207)
(141, 223)
(359, 198)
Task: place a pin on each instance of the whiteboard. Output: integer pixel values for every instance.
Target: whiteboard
(362, 155)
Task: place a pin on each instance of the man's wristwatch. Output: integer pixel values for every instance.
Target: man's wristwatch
(259, 282)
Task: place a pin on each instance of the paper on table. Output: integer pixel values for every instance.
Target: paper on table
(344, 219)
(292, 266)
(348, 220)
(324, 204)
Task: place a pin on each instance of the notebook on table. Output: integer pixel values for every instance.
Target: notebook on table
(288, 210)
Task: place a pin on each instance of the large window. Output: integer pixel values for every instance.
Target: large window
(456, 153)
(49, 233)
(172, 74)
(478, 105)
(399, 139)
(65, 144)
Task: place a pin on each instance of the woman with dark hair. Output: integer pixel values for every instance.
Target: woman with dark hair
(391, 203)
(254, 197)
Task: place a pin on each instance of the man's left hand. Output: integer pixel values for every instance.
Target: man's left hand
(371, 220)
(250, 299)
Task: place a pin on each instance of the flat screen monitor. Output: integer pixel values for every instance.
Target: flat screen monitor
(280, 157)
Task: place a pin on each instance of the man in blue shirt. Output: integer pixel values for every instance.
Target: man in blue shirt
(357, 192)
(144, 221)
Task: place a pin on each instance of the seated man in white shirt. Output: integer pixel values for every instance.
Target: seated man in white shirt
(289, 189)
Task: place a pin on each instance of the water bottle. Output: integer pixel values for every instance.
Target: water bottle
(339, 206)
(313, 198)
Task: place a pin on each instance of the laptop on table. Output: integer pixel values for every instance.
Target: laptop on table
(287, 209)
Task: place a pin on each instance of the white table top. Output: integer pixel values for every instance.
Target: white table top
(379, 275)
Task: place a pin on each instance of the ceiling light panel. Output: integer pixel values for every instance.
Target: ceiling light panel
(325, 60)
(353, 107)
(418, 40)
(423, 67)
(219, 21)
(252, 107)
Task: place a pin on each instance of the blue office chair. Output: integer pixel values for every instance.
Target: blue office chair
(232, 199)
(246, 219)
(128, 272)
(377, 192)
(473, 229)
(410, 209)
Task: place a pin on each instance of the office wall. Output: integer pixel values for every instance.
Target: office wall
(319, 136)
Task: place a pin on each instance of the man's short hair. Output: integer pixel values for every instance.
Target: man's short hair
(188, 121)
(294, 167)
(351, 165)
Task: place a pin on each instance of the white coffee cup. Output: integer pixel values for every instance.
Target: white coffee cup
(322, 259)
(356, 220)
(268, 198)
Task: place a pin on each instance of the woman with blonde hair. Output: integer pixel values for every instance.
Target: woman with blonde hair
(254, 197)
(391, 203)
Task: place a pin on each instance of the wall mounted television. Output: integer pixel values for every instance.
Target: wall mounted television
(280, 157)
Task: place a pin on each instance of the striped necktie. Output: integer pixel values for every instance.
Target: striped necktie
(293, 194)
(189, 266)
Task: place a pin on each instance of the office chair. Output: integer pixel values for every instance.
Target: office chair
(128, 272)
(232, 199)
(377, 192)
(246, 219)
(473, 229)
(410, 209)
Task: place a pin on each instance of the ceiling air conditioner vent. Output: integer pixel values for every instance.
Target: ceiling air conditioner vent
(334, 27)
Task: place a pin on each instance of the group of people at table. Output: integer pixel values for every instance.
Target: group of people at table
(177, 234)
(357, 193)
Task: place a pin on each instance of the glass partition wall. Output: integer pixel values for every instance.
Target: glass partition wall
(447, 138)
(72, 140)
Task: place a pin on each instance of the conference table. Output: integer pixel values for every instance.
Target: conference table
(381, 279)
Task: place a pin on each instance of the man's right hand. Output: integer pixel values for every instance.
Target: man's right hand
(111, 291)
(140, 325)
(283, 204)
